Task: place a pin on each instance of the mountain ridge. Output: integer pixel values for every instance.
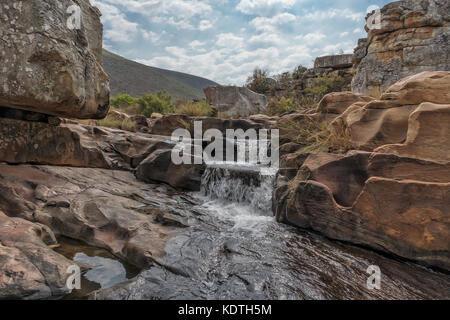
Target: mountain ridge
(136, 79)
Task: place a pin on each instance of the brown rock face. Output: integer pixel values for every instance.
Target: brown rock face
(73, 144)
(158, 167)
(29, 268)
(412, 37)
(338, 102)
(57, 71)
(391, 203)
(428, 134)
(386, 121)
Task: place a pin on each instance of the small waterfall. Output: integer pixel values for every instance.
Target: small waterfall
(241, 184)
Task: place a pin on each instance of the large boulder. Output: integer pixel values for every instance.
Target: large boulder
(412, 37)
(338, 102)
(235, 101)
(334, 61)
(158, 167)
(390, 203)
(58, 70)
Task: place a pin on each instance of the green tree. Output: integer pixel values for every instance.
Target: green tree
(160, 102)
(122, 101)
(298, 72)
(259, 81)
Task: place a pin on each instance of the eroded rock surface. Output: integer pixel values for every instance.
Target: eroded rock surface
(58, 70)
(413, 37)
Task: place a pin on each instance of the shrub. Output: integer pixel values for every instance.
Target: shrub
(123, 101)
(259, 81)
(314, 135)
(323, 85)
(298, 72)
(288, 104)
(160, 103)
(195, 109)
(126, 124)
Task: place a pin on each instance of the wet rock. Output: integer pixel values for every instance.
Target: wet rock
(159, 167)
(30, 269)
(58, 70)
(235, 101)
(413, 37)
(103, 208)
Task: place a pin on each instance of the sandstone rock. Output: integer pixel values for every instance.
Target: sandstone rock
(29, 268)
(103, 208)
(334, 61)
(58, 71)
(159, 167)
(73, 144)
(345, 176)
(413, 37)
(338, 102)
(156, 115)
(235, 101)
(428, 135)
(409, 218)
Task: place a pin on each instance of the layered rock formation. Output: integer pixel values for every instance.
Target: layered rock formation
(412, 37)
(393, 197)
(58, 70)
(235, 101)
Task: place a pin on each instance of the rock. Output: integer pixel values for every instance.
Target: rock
(385, 121)
(103, 208)
(117, 115)
(58, 71)
(334, 61)
(408, 218)
(338, 102)
(345, 176)
(159, 167)
(235, 101)
(30, 269)
(156, 115)
(390, 203)
(394, 167)
(428, 135)
(423, 87)
(73, 144)
(413, 37)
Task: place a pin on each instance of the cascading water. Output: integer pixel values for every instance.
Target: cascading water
(234, 249)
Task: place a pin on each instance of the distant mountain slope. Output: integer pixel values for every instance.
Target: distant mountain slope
(137, 79)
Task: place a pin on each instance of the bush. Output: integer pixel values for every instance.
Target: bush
(323, 85)
(160, 103)
(288, 104)
(298, 72)
(109, 122)
(259, 82)
(123, 101)
(195, 109)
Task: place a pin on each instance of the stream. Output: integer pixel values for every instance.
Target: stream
(234, 249)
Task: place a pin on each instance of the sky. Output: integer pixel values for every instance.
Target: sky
(224, 40)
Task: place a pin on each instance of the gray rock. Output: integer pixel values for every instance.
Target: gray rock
(235, 101)
(48, 67)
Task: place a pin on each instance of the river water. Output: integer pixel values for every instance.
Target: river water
(234, 249)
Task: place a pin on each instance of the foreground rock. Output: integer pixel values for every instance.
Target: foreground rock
(235, 101)
(394, 204)
(29, 268)
(58, 71)
(413, 37)
(103, 208)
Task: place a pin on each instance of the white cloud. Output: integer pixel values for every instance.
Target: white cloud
(264, 7)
